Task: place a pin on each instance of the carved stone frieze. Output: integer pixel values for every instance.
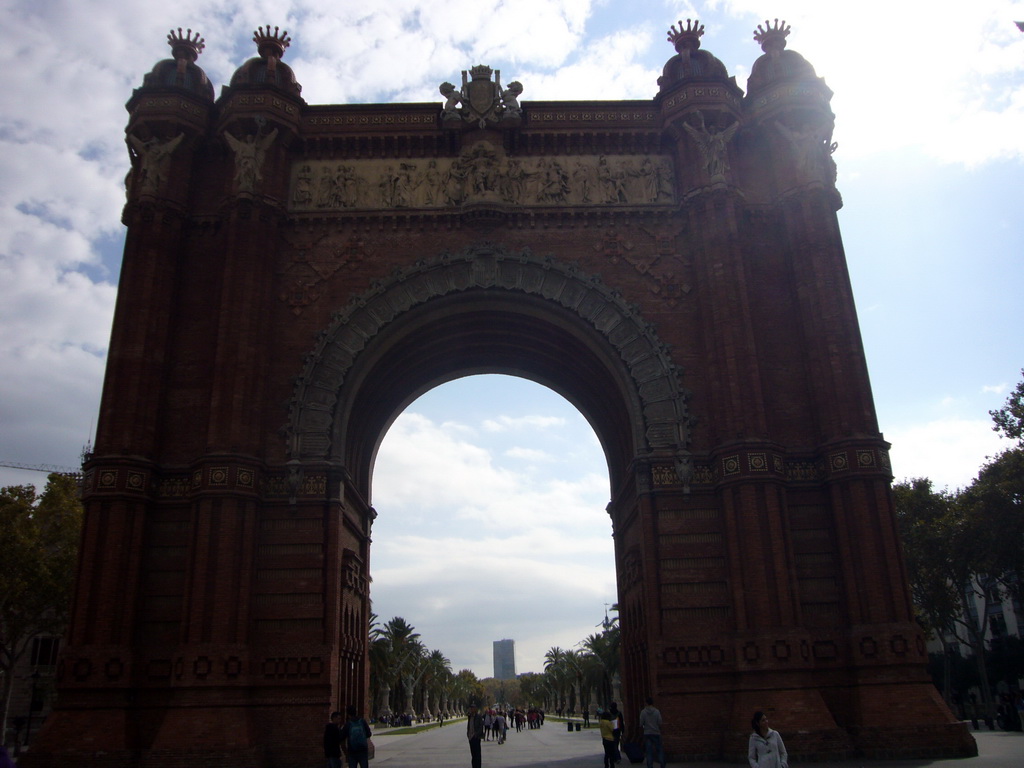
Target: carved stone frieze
(482, 173)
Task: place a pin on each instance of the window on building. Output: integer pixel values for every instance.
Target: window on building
(44, 651)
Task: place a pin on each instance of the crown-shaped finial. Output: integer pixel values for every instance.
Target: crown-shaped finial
(686, 38)
(184, 45)
(772, 37)
(481, 72)
(271, 44)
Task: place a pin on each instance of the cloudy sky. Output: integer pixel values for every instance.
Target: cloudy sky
(491, 491)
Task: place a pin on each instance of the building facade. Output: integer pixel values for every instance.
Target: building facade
(504, 659)
(294, 275)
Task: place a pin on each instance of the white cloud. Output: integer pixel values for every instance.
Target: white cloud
(606, 68)
(512, 423)
(492, 552)
(532, 588)
(529, 454)
(948, 451)
(938, 74)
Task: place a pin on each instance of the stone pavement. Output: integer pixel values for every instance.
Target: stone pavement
(554, 747)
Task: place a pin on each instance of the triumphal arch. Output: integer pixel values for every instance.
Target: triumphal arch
(294, 275)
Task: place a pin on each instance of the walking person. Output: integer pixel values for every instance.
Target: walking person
(613, 710)
(332, 741)
(611, 754)
(488, 724)
(650, 723)
(765, 748)
(500, 727)
(355, 735)
(474, 732)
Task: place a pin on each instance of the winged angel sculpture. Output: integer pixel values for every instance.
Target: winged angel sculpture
(712, 144)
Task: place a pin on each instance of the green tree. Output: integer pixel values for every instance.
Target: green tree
(380, 672)
(965, 552)
(437, 674)
(602, 652)
(404, 657)
(503, 692)
(995, 501)
(922, 514)
(467, 689)
(1009, 420)
(533, 689)
(951, 568)
(40, 536)
(556, 669)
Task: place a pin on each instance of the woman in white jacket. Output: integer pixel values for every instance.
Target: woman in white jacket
(765, 749)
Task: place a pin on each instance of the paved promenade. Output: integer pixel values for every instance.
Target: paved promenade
(554, 747)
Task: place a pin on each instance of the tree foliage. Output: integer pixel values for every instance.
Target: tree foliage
(995, 501)
(947, 548)
(923, 516)
(40, 535)
(1009, 420)
(965, 551)
(406, 677)
(573, 677)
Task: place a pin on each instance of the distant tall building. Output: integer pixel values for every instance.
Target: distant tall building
(504, 659)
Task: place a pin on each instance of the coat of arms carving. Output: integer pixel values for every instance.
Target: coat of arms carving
(481, 100)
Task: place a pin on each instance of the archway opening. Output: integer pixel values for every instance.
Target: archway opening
(491, 493)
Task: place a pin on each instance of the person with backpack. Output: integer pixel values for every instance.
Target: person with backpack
(355, 737)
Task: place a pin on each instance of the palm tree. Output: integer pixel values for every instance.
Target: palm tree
(557, 670)
(380, 650)
(437, 670)
(604, 650)
(396, 651)
(574, 673)
(407, 659)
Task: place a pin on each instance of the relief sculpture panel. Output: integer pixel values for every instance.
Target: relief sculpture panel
(480, 174)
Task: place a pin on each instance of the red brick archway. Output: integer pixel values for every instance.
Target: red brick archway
(487, 310)
(294, 275)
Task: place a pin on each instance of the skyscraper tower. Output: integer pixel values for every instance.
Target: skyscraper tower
(504, 659)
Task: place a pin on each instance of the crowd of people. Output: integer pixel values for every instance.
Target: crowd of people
(351, 738)
(497, 722)
(494, 724)
(397, 719)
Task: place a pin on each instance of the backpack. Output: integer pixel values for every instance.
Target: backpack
(356, 736)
